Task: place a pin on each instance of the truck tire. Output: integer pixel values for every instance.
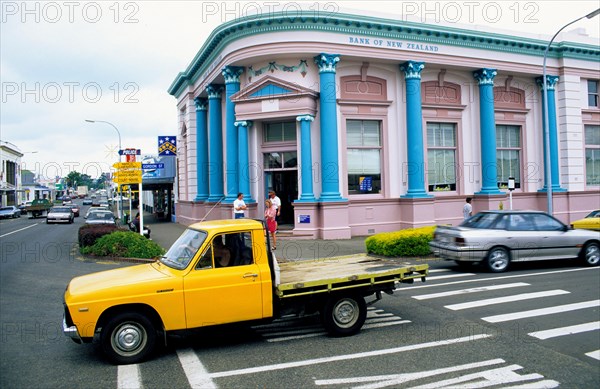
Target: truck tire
(128, 338)
(344, 315)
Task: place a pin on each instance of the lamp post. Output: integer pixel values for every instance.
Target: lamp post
(546, 124)
(119, 205)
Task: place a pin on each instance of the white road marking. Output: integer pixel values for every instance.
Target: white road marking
(471, 290)
(439, 270)
(498, 278)
(457, 275)
(20, 229)
(542, 311)
(367, 354)
(294, 337)
(505, 299)
(594, 354)
(562, 331)
(128, 377)
(545, 384)
(386, 324)
(194, 370)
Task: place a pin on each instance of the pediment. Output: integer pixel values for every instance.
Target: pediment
(269, 88)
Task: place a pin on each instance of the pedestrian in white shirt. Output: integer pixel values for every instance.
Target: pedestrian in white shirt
(276, 201)
(467, 209)
(239, 206)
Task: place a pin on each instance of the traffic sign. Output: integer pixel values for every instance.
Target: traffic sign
(130, 152)
(127, 165)
(149, 166)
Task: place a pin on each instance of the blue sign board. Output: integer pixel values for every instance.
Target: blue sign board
(303, 218)
(148, 166)
(167, 145)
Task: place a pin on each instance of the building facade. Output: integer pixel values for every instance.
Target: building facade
(10, 172)
(364, 125)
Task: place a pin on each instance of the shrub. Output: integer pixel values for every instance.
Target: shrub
(89, 233)
(409, 242)
(125, 244)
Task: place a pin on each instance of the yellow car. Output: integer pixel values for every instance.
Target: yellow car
(590, 222)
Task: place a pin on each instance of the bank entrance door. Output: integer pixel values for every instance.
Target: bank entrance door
(285, 185)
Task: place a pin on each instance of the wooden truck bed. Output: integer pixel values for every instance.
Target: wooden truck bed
(326, 275)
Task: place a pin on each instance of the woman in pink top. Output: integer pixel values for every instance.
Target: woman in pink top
(270, 215)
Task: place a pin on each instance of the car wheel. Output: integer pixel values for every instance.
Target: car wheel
(498, 260)
(591, 254)
(128, 338)
(344, 315)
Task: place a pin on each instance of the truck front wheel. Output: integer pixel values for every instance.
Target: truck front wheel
(128, 338)
(344, 315)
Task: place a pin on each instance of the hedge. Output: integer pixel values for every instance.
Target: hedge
(404, 243)
(126, 244)
(89, 233)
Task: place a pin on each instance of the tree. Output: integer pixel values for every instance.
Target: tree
(73, 179)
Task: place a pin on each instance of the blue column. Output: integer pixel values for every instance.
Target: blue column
(244, 172)
(414, 131)
(201, 149)
(306, 156)
(232, 85)
(330, 167)
(487, 124)
(215, 153)
(551, 82)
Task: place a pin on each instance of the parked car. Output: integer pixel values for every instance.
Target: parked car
(60, 214)
(23, 207)
(497, 238)
(590, 222)
(100, 218)
(9, 212)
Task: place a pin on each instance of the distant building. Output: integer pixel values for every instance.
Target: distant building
(363, 124)
(10, 171)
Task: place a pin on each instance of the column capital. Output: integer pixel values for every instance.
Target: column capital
(232, 74)
(243, 123)
(214, 91)
(485, 76)
(307, 118)
(551, 82)
(201, 104)
(327, 62)
(412, 69)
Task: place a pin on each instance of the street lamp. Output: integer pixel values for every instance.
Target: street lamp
(119, 206)
(546, 124)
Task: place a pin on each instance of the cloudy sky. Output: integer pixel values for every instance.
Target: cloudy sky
(63, 62)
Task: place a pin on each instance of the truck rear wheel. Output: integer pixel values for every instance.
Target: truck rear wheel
(344, 315)
(128, 338)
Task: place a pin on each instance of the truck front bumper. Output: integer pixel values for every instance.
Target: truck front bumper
(70, 331)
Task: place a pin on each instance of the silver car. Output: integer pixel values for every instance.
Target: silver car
(498, 238)
(100, 217)
(62, 214)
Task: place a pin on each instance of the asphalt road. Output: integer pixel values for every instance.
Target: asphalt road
(536, 326)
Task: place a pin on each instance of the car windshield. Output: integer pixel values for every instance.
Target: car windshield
(183, 250)
(60, 209)
(595, 213)
(101, 216)
(481, 220)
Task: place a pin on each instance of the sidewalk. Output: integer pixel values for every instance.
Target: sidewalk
(288, 248)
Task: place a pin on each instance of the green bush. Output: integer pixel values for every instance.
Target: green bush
(89, 233)
(126, 244)
(409, 242)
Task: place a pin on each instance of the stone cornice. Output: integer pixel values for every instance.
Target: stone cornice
(358, 25)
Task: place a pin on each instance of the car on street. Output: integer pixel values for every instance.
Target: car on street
(9, 212)
(100, 217)
(23, 206)
(590, 222)
(75, 208)
(60, 214)
(498, 238)
(96, 209)
(87, 201)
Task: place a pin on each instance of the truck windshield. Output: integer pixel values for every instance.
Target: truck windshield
(183, 250)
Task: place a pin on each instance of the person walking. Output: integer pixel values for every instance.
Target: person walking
(276, 201)
(239, 206)
(270, 215)
(467, 209)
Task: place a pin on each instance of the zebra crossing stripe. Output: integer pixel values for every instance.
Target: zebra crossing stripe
(194, 370)
(505, 299)
(594, 354)
(575, 329)
(470, 290)
(457, 275)
(128, 377)
(541, 312)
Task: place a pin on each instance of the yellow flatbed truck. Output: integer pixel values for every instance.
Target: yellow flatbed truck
(221, 272)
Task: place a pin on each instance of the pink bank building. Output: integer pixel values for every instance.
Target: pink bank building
(365, 125)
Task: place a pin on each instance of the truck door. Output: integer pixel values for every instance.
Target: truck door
(225, 285)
